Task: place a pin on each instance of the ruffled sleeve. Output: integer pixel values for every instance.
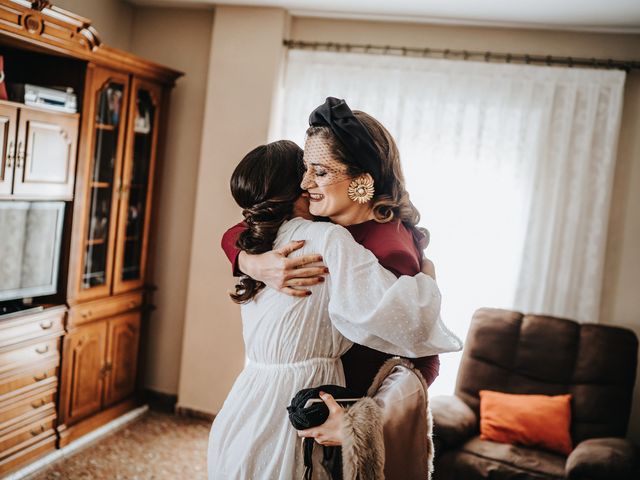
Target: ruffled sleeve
(371, 307)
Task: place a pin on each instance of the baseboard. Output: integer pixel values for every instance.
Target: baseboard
(194, 413)
(163, 402)
(69, 433)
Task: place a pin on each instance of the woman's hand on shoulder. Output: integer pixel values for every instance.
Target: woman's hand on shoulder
(284, 274)
(330, 432)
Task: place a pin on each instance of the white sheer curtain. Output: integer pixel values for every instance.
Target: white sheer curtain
(511, 167)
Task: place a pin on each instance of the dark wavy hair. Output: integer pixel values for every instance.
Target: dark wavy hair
(265, 184)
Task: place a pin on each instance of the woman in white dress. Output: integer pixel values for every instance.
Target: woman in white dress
(293, 343)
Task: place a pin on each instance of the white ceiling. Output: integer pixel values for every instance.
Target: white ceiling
(593, 15)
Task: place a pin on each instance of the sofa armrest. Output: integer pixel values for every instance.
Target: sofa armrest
(602, 459)
(453, 421)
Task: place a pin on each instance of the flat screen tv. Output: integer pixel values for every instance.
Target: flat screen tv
(30, 243)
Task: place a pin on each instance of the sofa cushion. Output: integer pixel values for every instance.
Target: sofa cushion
(478, 459)
(531, 420)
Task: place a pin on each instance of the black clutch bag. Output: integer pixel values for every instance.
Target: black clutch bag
(302, 417)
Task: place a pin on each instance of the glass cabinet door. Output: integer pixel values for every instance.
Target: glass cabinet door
(103, 184)
(135, 203)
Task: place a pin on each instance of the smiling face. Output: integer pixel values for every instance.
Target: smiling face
(326, 179)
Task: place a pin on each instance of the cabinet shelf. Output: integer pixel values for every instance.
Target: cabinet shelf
(87, 276)
(95, 241)
(105, 126)
(100, 185)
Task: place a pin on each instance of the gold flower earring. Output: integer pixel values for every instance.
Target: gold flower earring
(361, 189)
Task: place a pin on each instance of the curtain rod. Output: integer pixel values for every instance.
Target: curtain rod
(465, 55)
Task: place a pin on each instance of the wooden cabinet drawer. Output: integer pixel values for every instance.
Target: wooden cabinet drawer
(48, 323)
(14, 411)
(27, 453)
(107, 307)
(28, 354)
(29, 431)
(17, 381)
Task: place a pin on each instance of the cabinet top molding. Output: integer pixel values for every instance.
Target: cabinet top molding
(44, 27)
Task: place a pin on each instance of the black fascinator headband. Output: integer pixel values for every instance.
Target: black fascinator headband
(336, 114)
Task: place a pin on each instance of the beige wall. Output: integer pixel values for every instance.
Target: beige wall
(111, 18)
(245, 60)
(181, 39)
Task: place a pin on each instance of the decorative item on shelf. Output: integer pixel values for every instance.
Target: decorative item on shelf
(115, 99)
(109, 107)
(133, 219)
(60, 99)
(143, 119)
(3, 87)
(98, 228)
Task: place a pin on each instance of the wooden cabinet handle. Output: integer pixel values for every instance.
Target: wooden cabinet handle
(10, 154)
(42, 350)
(106, 368)
(133, 304)
(87, 314)
(42, 377)
(38, 404)
(46, 325)
(38, 431)
(19, 156)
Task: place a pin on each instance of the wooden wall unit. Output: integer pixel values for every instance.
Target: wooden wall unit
(70, 368)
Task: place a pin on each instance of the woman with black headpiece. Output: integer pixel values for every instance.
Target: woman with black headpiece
(354, 177)
(292, 342)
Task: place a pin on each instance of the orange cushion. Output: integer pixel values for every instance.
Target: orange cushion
(531, 420)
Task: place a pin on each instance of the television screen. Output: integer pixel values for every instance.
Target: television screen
(30, 241)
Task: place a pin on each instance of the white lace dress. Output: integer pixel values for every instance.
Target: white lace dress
(294, 343)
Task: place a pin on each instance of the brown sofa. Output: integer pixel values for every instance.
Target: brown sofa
(510, 352)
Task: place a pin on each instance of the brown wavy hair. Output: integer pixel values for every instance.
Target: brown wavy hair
(265, 184)
(391, 199)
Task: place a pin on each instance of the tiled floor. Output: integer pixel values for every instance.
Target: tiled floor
(157, 446)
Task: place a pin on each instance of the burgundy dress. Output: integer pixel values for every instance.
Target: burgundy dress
(395, 246)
